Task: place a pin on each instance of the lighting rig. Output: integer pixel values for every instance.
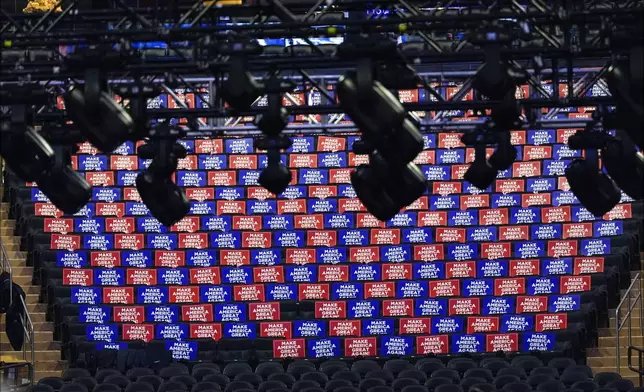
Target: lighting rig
(501, 47)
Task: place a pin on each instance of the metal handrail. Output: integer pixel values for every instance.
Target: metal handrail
(30, 336)
(6, 267)
(640, 362)
(628, 317)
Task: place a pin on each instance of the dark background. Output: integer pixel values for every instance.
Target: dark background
(14, 6)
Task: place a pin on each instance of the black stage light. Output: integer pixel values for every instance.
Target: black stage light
(505, 153)
(276, 176)
(67, 189)
(594, 189)
(100, 119)
(625, 165)
(240, 90)
(480, 173)
(26, 152)
(627, 91)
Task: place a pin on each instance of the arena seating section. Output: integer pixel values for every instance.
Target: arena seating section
(251, 277)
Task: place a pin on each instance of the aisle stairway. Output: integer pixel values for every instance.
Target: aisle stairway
(47, 351)
(603, 358)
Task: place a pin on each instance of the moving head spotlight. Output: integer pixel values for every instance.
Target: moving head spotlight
(276, 176)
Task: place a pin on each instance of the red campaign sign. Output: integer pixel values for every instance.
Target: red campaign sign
(507, 342)
(562, 184)
(332, 273)
(106, 259)
(242, 162)
(464, 306)
(197, 313)
(356, 160)
(313, 291)
(494, 217)
(470, 154)
(532, 304)
(385, 236)
(118, 295)
(131, 194)
(77, 277)
(379, 290)
(350, 205)
(451, 234)
(129, 314)
(253, 292)
(222, 178)
(328, 238)
(496, 250)
(259, 193)
(367, 220)
(526, 169)
(620, 211)
(509, 286)
(97, 179)
(575, 284)
(234, 258)
(322, 191)
(551, 322)
(444, 288)
(429, 252)
(564, 134)
(450, 140)
(525, 267)
(509, 185)
(514, 233)
(269, 311)
(343, 328)
(340, 176)
(309, 222)
(294, 206)
(299, 161)
(247, 223)
(475, 201)
(47, 209)
(205, 331)
(231, 207)
(537, 153)
(445, 188)
(422, 203)
(65, 242)
(141, 277)
(200, 194)
(184, 294)
(577, 230)
(209, 146)
(193, 240)
(460, 269)
(187, 224)
(480, 324)
(272, 274)
(365, 254)
(415, 326)
(331, 144)
(562, 248)
(85, 147)
(256, 239)
(426, 157)
(360, 347)
(59, 226)
(536, 199)
(435, 344)
(588, 265)
(129, 241)
(330, 310)
(142, 332)
(169, 258)
(432, 218)
(397, 271)
(124, 162)
(110, 209)
(397, 307)
(120, 225)
(290, 348)
(458, 171)
(518, 137)
(300, 256)
(205, 275)
(188, 163)
(555, 214)
(277, 329)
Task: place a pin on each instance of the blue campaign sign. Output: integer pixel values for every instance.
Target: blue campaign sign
(462, 218)
(429, 141)
(560, 198)
(88, 210)
(98, 241)
(363, 308)
(277, 222)
(162, 241)
(542, 285)
(281, 292)
(346, 190)
(460, 252)
(500, 200)
(562, 151)
(346, 290)
(86, 295)
(111, 346)
(301, 273)
(421, 235)
(468, 343)
(537, 341)
(608, 228)
(331, 255)
(517, 323)
(239, 146)
(332, 159)
(353, 237)
(540, 137)
(265, 257)
(429, 270)
(497, 305)
(202, 208)
(261, 207)
(152, 295)
(236, 275)
(302, 145)
(430, 307)
(89, 225)
(412, 289)
(230, 312)
(321, 206)
(309, 329)
(191, 178)
(92, 163)
(396, 345)
(102, 332)
(564, 303)
(173, 276)
(293, 192)
(168, 314)
(594, 247)
(396, 253)
(376, 327)
(482, 234)
(201, 258)
(404, 219)
(581, 214)
(136, 209)
(555, 168)
(212, 162)
(216, 223)
(450, 156)
(525, 216)
(562, 266)
(126, 178)
(109, 276)
(313, 176)
(545, 231)
(189, 145)
(38, 196)
(529, 249)
(230, 193)
(171, 331)
(228, 240)
(289, 239)
(478, 287)
(323, 348)
(436, 173)
(137, 258)
(538, 185)
(364, 272)
(444, 202)
(93, 314)
(338, 221)
(240, 330)
(150, 224)
(491, 268)
(248, 177)
(210, 293)
(68, 259)
(107, 195)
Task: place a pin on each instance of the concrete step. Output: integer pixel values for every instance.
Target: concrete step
(36, 308)
(22, 270)
(635, 331)
(635, 322)
(609, 341)
(607, 351)
(40, 345)
(23, 280)
(606, 361)
(6, 229)
(625, 372)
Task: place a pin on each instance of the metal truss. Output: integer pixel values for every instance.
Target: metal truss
(564, 42)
